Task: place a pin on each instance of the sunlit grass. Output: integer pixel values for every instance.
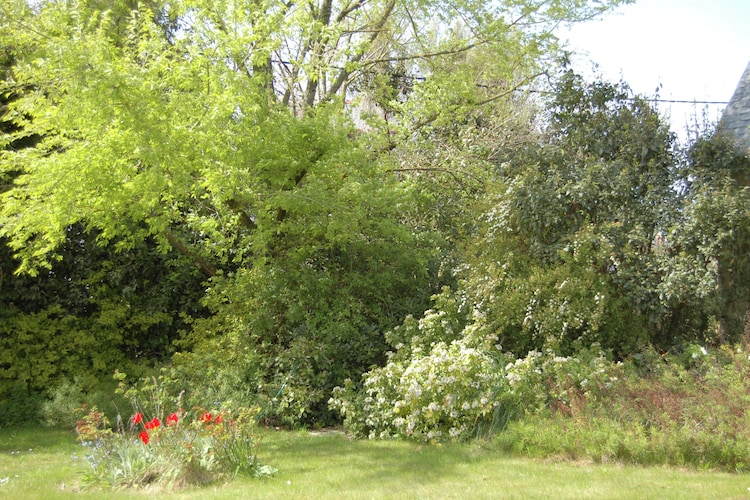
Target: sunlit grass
(42, 464)
(37, 463)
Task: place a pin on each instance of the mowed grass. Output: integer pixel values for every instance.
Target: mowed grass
(41, 463)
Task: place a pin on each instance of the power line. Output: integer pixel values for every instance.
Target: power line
(679, 101)
(642, 98)
(537, 91)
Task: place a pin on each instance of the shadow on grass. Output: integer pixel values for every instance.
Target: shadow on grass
(370, 461)
(36, 438)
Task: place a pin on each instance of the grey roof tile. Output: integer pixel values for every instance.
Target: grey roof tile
(736, 116)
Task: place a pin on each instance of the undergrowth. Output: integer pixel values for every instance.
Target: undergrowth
(686, 410)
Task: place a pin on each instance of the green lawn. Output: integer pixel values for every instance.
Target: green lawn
(43, 464)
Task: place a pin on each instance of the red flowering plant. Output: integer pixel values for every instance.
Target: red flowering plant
(162, 443)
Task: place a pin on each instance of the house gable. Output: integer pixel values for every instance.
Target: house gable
(736, 117)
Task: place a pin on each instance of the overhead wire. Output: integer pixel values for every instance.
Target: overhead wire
(539, 91)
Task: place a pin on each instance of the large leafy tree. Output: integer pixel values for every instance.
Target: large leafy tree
(92, 310)
(172, 112)
(601, 231)
(216, 129)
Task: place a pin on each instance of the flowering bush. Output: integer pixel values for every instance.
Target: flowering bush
(437, 397)
(445, 322)
(544, 380)
(173, 447)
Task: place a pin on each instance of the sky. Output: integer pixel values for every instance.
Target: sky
(691, 49)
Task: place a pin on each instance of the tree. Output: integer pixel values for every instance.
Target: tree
(217, 130)
(599, 230)
(571, 238)
(715, 232)
(160, 110)
(595, 237)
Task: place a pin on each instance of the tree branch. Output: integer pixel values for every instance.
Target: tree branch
(427, 55)
(438, 169)
(345, 73)
(208, 268)
(349, 9)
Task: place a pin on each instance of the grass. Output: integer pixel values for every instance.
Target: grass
(42, 463)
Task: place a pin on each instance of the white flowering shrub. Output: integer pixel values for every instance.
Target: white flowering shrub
(441, 396)
(444, 322)
(544, 379)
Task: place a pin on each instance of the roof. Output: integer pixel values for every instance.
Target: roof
(736, 117)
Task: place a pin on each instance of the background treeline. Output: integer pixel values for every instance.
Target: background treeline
(183, 187)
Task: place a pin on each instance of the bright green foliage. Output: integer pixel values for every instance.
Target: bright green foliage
(144, 130)
(156, 140)
(216, 130)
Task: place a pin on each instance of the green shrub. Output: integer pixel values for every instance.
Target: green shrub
(19, 406)
(61, 409)
(547, 381)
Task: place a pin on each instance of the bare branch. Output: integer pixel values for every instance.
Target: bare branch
(345, 73)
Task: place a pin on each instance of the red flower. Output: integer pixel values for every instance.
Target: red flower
(144, 436)
(206, 418)
(217, 420)
(172, 419)
(152, 424)
(137, 418)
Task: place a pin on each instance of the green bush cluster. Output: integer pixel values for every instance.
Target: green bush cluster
(544, 380)
(94, 311)
(455, 391)
(687, 409)
(268, 251)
